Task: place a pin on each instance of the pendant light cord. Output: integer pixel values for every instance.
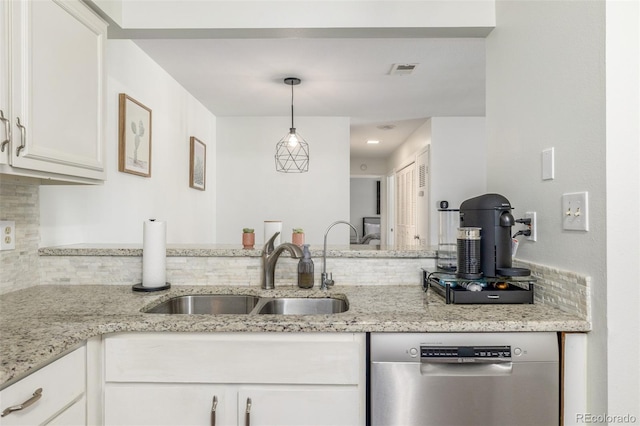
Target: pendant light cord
(292, 107)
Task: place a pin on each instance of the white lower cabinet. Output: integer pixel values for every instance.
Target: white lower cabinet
(53, 395)
(256, 378)
(182, 404)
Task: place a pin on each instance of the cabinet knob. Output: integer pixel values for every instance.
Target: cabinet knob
(36, 396)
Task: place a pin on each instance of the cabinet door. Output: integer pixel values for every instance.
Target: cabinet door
(76, 415)
(57, 78)
(168, 404)
(299, 405)
(5, 113)
(62, 383)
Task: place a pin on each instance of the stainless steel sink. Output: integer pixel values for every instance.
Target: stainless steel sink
(207, 304)
(302, 306)
(213, 304)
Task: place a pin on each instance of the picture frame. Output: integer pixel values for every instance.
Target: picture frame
(134, 137)
(197, 163)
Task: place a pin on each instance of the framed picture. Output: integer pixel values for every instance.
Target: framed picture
(134, 137)
(197, 164)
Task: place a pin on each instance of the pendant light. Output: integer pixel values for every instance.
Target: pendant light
(292, 151)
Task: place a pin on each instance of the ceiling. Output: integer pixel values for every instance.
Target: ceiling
(340, 77)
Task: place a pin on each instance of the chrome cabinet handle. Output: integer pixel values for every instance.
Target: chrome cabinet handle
(247, 415)
(36, 396)
(214, 407)
(7, 131)
(23, 136)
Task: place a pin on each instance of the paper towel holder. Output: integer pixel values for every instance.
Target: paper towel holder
(140, 287)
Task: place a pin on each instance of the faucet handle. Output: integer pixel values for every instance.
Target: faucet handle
(326, 279)
(268, 247)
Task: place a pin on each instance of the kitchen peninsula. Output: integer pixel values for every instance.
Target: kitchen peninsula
(40, 323)
(85, 309)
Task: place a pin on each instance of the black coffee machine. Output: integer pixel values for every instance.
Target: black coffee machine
(492, 213)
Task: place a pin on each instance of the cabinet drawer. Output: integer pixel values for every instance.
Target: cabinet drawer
(62, 383)
(312, 358)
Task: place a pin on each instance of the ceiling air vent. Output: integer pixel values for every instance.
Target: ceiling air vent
(402, 69)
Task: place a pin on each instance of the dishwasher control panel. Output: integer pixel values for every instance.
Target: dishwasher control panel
(465, 353)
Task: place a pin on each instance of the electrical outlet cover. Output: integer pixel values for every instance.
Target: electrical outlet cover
(575, 211)
(533, 226)
(7, 235)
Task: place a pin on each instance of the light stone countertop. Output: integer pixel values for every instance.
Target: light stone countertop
(219, 250)
(40, 323)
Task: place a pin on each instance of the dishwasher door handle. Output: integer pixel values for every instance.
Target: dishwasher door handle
(466, 369)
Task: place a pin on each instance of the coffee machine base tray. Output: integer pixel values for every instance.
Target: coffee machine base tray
(494, 290)
(513, 272)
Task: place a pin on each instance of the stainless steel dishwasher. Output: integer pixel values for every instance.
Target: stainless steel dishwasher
(459, 379)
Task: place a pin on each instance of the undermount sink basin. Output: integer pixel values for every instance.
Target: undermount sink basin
(303, 306)
(213, 304)
(207, 304)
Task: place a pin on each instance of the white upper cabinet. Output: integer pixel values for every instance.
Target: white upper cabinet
(53, 90)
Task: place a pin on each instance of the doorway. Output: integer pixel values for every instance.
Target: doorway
(411, 202)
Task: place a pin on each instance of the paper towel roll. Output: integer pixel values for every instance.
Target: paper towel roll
(270, 228)
(154, 253)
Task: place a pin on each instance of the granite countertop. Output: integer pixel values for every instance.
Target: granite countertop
(40, 323)
(219, 250)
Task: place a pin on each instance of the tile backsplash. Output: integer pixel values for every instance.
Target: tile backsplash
(19, 268)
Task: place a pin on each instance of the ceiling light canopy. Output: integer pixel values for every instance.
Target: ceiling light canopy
(292, 151)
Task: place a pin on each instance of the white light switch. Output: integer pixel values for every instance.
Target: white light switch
(7, 235)
(575, 211)
(548, 166)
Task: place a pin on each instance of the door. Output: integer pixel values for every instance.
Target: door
(422, 199)
(390, 211)
(406, 206)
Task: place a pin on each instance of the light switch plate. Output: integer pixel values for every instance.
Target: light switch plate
(548, 164)
(7, 235)
(575, 211)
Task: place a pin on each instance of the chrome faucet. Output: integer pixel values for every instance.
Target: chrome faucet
(326, 278)
(270, 257)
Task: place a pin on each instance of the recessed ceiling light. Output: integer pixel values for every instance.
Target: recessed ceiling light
(372, 142)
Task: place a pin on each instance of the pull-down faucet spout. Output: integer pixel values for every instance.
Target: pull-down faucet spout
(326, 279)
(270, 257)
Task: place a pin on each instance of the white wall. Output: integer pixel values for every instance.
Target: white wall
(545, 88)
(361, 166)
(458, 163)
(363, 201)
(250, 190)
(406, 153)
(623, 183)
(114, 212)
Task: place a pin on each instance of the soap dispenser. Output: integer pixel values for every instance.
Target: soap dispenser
(305, 268)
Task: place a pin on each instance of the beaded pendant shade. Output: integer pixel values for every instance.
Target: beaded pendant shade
(292, 151)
